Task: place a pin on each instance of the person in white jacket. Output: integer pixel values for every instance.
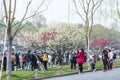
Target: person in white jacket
(110, 56)
(49, 60)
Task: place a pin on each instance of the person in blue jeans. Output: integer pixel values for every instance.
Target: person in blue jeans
(28, 60)
(13, 62)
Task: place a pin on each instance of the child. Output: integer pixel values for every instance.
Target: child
(93, 63)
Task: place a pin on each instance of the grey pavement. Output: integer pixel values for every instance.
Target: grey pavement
(97, 75)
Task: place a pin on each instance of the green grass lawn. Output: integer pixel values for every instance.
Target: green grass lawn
(22, 75)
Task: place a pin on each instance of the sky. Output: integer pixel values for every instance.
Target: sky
(56, 12)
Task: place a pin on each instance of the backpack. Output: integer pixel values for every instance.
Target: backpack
(104, 56)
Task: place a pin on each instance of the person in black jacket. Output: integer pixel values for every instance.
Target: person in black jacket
(73, 58)
(4, 62)
(34, 64)
(17, 60)
(105, 60)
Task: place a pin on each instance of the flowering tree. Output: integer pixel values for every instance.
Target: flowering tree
(10, 10)
(99, 43)
(47, 35)
(36, 39)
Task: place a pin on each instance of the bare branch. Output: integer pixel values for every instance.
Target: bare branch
(39, 6)
(93, 9)
(118, 9)
(36, 12)
(88, 2)
(2, 25)
(77, 10)
(83, 6)
(97, 6)
(80, 2)
(5, 9)
(18, 28)
(115, 19)
(14, 10)
(24, 38)
(26, 11)
(93, 5)
(9, 11)
(88, 6)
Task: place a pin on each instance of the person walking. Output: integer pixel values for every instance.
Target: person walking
(80, 60)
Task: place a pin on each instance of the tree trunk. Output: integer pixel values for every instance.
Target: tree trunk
(60, 69)
(9, 49)
(8, 72)
(88, 52)
(36, 73)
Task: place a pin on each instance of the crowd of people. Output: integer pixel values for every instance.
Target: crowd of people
(31, 61)
(79, 57)
(108, 58)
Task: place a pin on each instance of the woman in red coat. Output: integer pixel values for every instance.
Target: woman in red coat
(80, 59)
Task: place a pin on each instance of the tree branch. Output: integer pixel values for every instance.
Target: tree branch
(84, 9)
(81, 3)
(36, 12)
(18, 28)
(14, 10)
(88, 6)
(2, 25)
(5, 9)
(118, 9)
(97, 6)
(77, 10)
(115, 19)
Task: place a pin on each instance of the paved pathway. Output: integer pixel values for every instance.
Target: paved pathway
(98, 75)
